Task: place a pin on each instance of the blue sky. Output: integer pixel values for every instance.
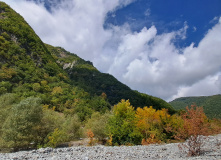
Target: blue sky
(170, 15)
(167, 49)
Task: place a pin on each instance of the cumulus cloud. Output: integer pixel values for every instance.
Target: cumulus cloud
(175, 72)
(210, 85)
(144, 60)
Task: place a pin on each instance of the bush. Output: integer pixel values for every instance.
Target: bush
(121, 125)
(195, 127)
(57, 129)
(72, 127)
(20, 128)
(55, 138)
(97, 124)
(194, 145)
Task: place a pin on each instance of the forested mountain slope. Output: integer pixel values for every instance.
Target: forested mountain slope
(84, 75)
(49, 96)
(210, 104)
(62, 80)
(47, 93)
(28, 69)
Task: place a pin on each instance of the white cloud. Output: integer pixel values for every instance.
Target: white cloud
(175, 71)
(76, 25)
(144, 60)
(194, 29)
(210, 85)
(215, 19)
(147, 12)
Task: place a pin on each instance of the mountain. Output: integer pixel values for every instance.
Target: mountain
(84, 75)
(49, 96)
(210, 104)
(28, 67)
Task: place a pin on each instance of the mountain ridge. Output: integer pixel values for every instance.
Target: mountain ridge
(86, 76)
(37, 69)
(210, 104)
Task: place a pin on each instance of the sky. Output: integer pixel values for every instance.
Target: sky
(167, 49)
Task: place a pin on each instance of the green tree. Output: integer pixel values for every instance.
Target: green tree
(121, 125)
(97, 124)
(6, 102)
(36, 87)
(72, 127)
(20, 128)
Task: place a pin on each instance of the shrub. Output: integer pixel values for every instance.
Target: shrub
(55, 138)
(97, 123)
(195, 125)
(90, 135)
(20, 128)
(72, 127)
(121, 125)
(194, 145)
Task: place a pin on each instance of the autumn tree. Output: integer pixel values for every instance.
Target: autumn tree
(195, 127)
(195, 121)
(174, 127)
(150, 121)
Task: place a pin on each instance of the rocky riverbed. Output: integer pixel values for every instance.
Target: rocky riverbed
(211, 151)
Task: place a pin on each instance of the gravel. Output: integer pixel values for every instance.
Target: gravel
(211, 151)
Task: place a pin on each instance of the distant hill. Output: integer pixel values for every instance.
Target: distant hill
(210, 104)
(62, 80)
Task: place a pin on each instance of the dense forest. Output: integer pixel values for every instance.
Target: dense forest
(84, 75)
(49, 96)
(210, 104)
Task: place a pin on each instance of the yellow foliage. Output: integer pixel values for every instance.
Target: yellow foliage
(123, 108)
(175, 126)
(56, 137)
(109, 141)
(57, 90)
(146, 118)
(7, 73)
(44, 83)
(45, 107)
(149, 122)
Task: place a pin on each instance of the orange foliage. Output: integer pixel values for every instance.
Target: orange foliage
(90, 135)
(195, 121)
(103, 95)
(150, 140)
(195, 125)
